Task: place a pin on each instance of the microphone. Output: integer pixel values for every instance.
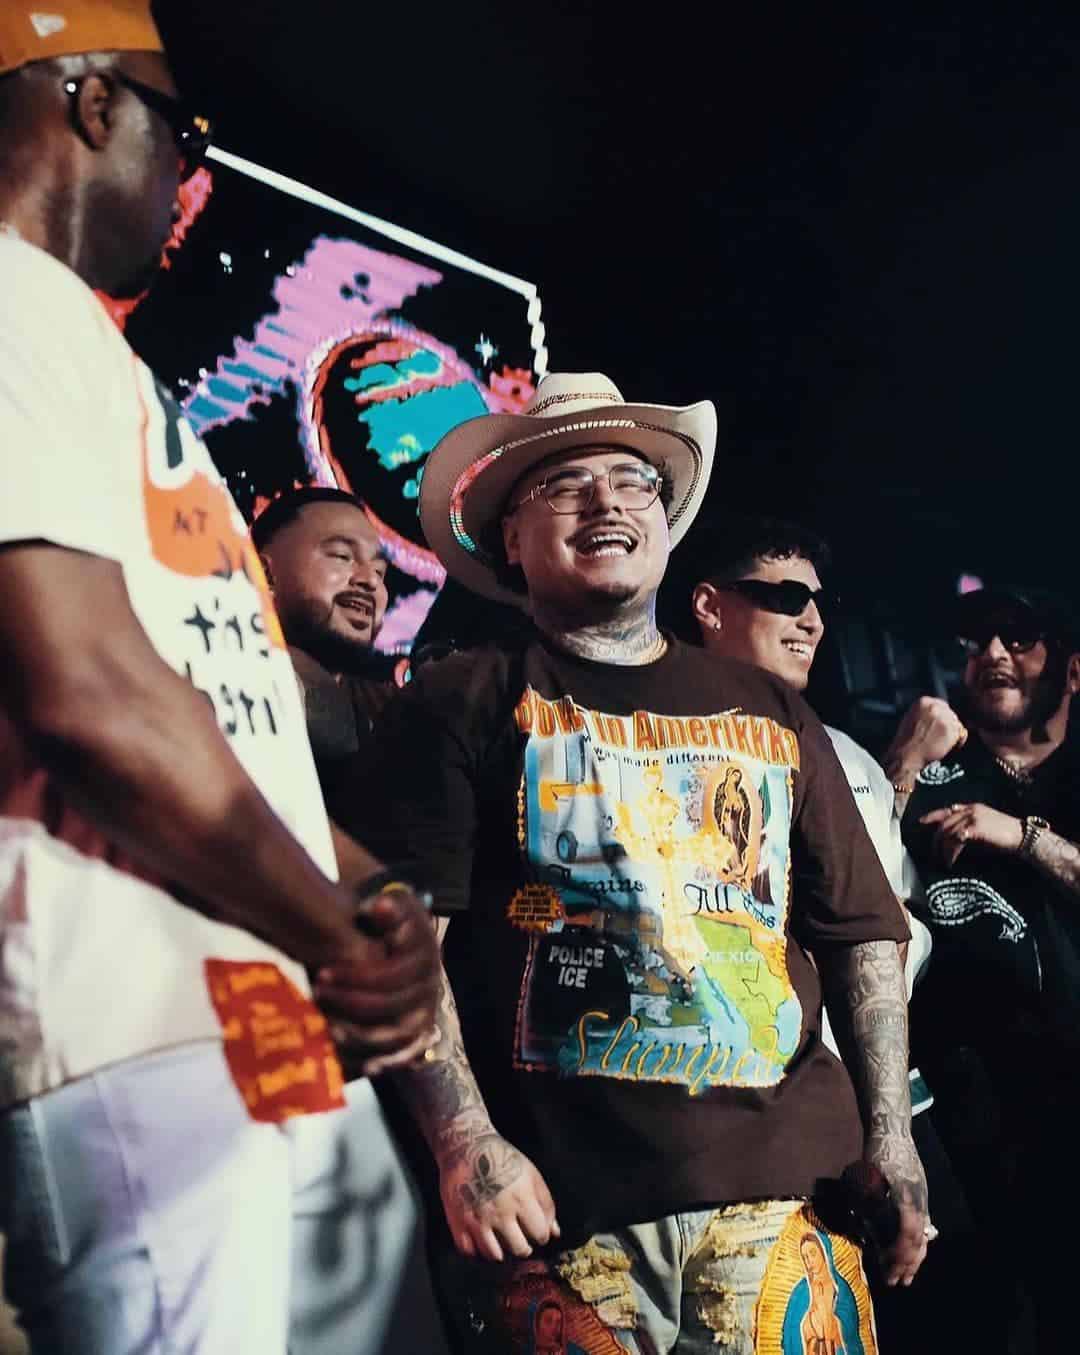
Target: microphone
(859, 1205)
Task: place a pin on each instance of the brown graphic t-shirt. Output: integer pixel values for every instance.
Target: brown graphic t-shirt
(637, 860)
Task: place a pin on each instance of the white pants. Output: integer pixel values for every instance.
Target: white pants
(146, 1212)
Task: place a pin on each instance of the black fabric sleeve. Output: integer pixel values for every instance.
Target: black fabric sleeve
(413, 798)
(840, 893)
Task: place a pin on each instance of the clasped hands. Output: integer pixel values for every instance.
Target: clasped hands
(380, 990)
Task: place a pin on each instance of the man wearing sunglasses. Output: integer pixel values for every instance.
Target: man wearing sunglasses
(758, 597)
(168, 876)
(993, 823)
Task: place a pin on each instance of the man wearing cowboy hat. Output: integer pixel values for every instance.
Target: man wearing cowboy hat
(630, 1047)
(993, 823)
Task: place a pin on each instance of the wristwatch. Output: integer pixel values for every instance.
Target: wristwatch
(1034, 827)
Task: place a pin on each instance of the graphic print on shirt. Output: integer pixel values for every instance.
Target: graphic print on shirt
(957, 900)
(195, 531)
(658, 850)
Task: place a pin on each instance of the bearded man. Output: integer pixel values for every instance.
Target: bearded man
(992, 824)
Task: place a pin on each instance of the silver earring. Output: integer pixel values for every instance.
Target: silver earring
(716, 624)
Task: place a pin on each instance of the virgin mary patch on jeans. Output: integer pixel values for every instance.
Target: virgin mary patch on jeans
(814, 1298)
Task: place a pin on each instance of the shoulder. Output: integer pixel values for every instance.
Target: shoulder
(855, 759)
(468, 692)
(735, 681)
(40, 290)
(55, 331)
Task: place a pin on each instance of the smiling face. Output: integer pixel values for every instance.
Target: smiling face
(592, 563)
(328, 574)
(1008, 692)
(736, 627)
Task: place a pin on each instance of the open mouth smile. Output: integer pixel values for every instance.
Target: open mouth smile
(605, 542)
(362, 606)
(991, 682)
(800, 648)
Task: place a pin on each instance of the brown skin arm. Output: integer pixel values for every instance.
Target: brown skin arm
(137, 751)
(864, 986)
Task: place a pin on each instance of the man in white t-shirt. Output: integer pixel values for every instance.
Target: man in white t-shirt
(758, 597)
(167, 871)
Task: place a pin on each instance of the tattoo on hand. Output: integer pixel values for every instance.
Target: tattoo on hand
(493, 1165)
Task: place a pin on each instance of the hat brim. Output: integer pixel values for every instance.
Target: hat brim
(1053, 614)
(470, 473)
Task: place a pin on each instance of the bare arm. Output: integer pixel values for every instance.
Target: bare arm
(1058, 859)
(927, 733)
(864, 984)
(492, 1193)
(138, 752)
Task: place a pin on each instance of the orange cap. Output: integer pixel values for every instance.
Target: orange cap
(34, 30)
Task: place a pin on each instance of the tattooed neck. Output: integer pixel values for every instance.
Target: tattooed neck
(627, 640)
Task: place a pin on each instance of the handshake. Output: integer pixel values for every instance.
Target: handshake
(381, 991)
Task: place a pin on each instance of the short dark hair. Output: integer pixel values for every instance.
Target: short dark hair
(739, 543)
(286, 508)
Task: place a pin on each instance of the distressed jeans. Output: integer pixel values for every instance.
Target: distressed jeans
(747, 1279)
(146, 1212)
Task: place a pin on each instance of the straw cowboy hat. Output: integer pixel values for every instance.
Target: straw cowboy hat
(473, 468)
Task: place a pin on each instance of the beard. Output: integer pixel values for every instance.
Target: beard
(1040, 701)
(309, 629)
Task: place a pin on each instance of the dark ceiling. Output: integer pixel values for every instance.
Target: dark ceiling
(856, 233)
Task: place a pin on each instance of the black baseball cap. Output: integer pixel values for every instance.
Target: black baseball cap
(1040, 609)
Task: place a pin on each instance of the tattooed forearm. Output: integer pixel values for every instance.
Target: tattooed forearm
(1058, 859)
(864, 987)
(444, 1097)
(868, 1007)
(442, 1091)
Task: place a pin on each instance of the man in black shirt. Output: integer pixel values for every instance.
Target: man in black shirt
(326, 566)
(639, 846)
(993, 823)
(324, 561)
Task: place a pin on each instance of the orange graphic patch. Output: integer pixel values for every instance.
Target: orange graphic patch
(536, 908)
(194, 527)
(277, 1043)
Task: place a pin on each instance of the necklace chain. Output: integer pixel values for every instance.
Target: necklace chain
(1019, 774)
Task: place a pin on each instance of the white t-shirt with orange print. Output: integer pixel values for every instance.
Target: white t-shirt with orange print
(97, 962)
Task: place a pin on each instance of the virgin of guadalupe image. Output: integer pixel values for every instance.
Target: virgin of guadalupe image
(822, 1317)
(549, 1331)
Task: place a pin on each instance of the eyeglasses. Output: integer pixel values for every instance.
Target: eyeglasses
(191, 131)
(1018, 637)
(635, 485)
(789, 597)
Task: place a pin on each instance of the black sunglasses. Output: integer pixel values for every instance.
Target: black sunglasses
(191, 131)
(1018, 637)
(789, 597)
